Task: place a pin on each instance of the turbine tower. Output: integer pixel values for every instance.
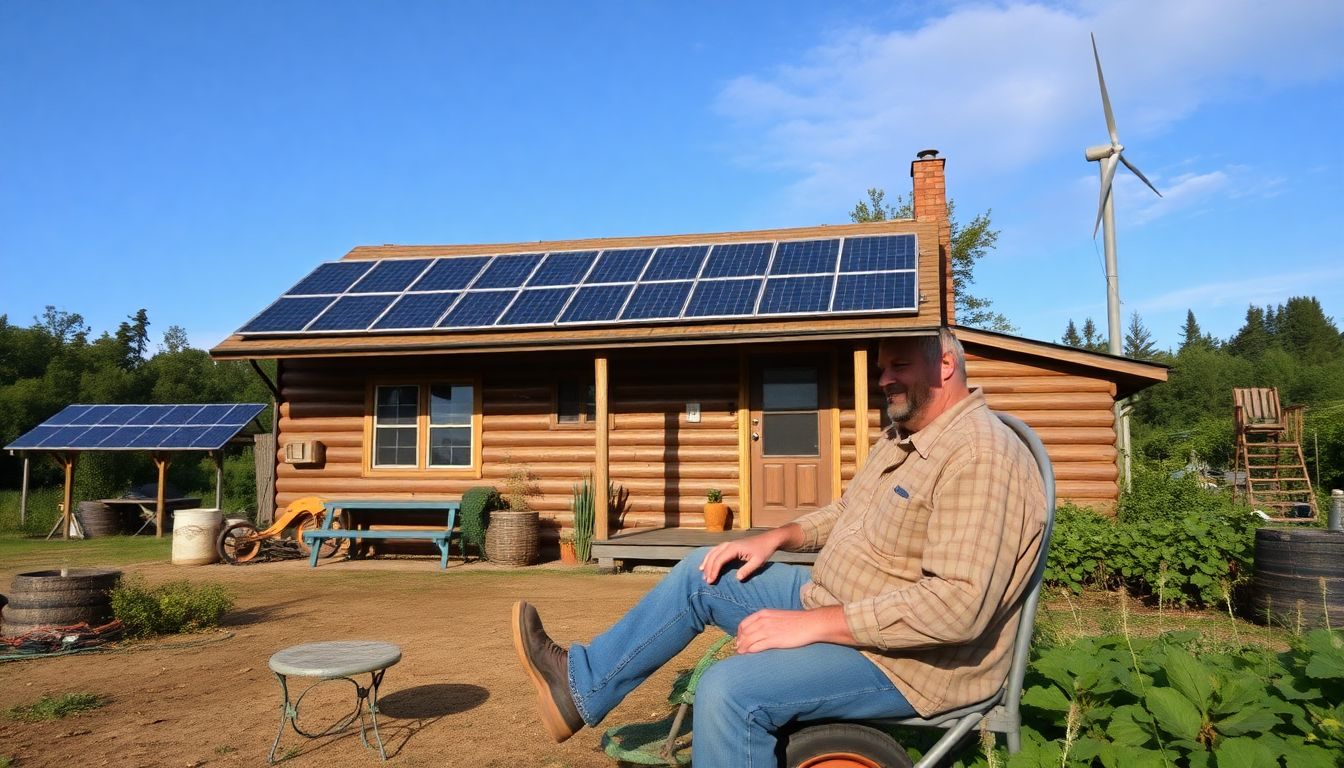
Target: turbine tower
(1110, 156)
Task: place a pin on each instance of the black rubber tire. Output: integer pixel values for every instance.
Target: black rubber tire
(34, 582)
(843, 745)
(71, 599)
(329, 547)
(62, 616)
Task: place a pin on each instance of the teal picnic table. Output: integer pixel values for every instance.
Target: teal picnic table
(368, 509)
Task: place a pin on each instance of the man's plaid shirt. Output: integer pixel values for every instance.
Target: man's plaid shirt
(929, 552)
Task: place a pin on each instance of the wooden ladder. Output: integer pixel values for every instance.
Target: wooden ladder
(1276, 476)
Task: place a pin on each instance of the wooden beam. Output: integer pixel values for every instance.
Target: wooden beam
(161, 461)
(23, 494)
(601, 458)
(68, 511)
(743, 517)
(861, 440)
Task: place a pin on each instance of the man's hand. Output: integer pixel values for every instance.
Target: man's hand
(752, 551)
(768, 629)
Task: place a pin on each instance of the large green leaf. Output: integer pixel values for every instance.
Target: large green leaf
(1239, 691)
(1327, 655)
(1243, 753)
(1174, 712)
(1129, 726)
(1048, 698)
(1187, 675)
(1135, 757)
(1299, 754)
(1249, 719)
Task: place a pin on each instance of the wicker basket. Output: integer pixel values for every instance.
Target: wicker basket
(511, 537)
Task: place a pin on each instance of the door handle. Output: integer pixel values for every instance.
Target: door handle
(755, 435)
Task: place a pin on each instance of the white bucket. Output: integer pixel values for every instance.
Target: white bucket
(194, 534)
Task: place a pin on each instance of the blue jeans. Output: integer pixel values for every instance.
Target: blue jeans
(743, 701)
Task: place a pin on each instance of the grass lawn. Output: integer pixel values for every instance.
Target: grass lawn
(19, 553)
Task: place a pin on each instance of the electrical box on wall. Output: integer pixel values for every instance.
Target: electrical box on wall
(693, 413)
(305, 452)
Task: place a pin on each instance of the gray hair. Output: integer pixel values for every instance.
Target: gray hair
(933, 348)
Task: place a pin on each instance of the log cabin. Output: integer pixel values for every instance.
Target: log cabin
(667, 365)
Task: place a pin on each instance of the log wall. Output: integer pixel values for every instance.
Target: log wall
(662, 463)
(1068, 407)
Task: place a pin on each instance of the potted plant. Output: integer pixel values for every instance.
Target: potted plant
(716, 512)
(568, 555)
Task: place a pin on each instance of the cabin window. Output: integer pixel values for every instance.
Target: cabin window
(575, 402)
(424, 426)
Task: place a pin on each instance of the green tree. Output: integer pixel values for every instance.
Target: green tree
(1193, 335)
(1138, 341)
(1303, 330)
(1253, 338)
(174, 340)
(1071, 337)
(133, 337)
(970, 244)
(1093, 341)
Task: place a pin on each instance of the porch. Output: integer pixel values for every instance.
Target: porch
(644, 545)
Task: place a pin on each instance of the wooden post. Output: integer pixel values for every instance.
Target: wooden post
(601, 458)
(68, 461)
(860, 406)
(160, 461)
(743, 517)
(219, 478)
(23, 494)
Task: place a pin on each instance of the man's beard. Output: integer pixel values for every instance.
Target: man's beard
(916, 398)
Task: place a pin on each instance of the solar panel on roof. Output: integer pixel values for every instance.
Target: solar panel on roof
(537, 306)
(596, 303)
(677, 262)
(483, 291)
(857, 293)
(737, 260)
(391, 275)
(805, 257)
(875, 254)
(795, 295)
(657, 300)
(451, 274)
(331, 278)
(130, 427)
(723, 298)
(619, 266)
(416, 310)
(566, 268)
(475, 310)
(287, 314)
(351, 313)
(508, 271)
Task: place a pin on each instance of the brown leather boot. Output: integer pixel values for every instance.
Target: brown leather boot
(547, 664)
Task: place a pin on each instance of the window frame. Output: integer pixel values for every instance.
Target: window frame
(422, 467)
(584, 421)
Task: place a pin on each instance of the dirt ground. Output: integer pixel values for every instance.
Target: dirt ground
(458, 697)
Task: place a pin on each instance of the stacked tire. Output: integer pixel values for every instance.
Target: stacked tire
(49, 599)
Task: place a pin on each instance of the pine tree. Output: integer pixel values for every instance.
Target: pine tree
(1071, 337)
(1092, 338)
(1193, 336)
(1304, 331)
(1138, 340)
(1253, 338)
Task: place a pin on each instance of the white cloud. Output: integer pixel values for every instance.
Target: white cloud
(1000, 87)
(1267, 288)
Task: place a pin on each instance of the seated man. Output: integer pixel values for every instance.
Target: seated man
(910, 607)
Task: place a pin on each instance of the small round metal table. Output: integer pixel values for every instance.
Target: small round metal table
(334, 661)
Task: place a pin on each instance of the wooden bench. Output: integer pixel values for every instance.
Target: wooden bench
(442, 537)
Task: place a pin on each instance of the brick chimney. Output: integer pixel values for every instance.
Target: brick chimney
(929, 200)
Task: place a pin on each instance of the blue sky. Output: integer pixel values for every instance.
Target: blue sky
(196, 159)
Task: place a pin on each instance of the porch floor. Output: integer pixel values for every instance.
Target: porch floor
(650, 544)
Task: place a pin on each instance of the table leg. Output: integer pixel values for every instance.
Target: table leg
(286, 712)
(370, 698)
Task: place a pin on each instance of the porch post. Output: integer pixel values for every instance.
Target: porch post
(601, 458)
(23, 494)
(860, 405)
(68, 461)
(219, 478)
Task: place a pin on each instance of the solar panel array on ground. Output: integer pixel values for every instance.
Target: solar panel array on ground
(621, 285)
(195, 427)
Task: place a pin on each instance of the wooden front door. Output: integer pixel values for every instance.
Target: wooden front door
(790, 440)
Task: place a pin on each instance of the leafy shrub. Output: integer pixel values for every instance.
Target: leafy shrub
(169, 609)
(56, 707)
(477, 503)
(1170, 539)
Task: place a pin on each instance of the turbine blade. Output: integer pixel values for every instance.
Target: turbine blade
(1139, 173)
(1105, 99)
(1107, 176)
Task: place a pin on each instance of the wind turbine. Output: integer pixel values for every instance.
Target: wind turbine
(1110, 156)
